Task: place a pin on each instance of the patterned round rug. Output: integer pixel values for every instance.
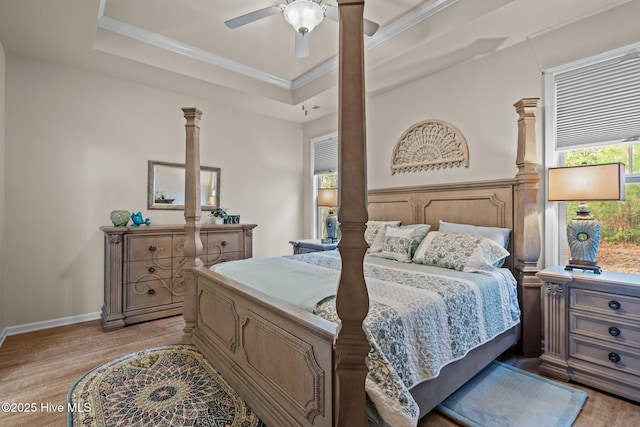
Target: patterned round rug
(171, 385)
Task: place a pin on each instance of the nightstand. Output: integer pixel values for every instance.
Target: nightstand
(311, 245)
(592, 329)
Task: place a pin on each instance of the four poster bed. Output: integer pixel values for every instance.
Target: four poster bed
(294, 367)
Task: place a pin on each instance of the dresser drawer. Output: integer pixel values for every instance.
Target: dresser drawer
(138, 271)
(147, 247)
(604, 354)
(605, 303)
(606, 329)
(224, 242)
(146, 294)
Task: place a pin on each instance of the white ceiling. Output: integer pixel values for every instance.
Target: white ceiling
(184, 44)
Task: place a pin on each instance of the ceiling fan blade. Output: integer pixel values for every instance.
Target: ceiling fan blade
(302, 45)
(253, 16)
(370, 27)
(332, 12)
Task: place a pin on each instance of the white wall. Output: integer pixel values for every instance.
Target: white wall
(2, 192)
(77, 146)
(478, 97)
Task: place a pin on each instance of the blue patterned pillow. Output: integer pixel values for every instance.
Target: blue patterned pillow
(497, 234)
(459, 251)
(397, 244)
(374, 234)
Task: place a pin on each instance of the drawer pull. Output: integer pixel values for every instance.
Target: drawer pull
(152, 270)
(224, 243)
(614, 305)
(151, 292)
(613, 331)
(152, 248)
(614, 357)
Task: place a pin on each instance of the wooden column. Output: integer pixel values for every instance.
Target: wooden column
(526, 229)
(352, 300)
(192, 209)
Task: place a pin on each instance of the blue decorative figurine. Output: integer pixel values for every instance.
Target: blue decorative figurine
(137, 219)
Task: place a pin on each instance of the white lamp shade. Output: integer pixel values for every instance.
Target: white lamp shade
(303, 15)
(586, 182)
(328, 197)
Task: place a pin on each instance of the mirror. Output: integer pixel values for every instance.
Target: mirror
(166, 186)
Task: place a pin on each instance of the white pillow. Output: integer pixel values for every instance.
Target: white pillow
(375, 228)
(459, 251)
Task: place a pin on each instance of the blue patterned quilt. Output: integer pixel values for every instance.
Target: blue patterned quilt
(420, 319)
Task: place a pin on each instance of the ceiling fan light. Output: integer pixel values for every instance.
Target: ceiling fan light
(303, 15)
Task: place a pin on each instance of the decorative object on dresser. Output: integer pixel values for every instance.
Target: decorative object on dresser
(311, 245)
(429, 144)
(328, 197)
(120, 218)
(219, 215)
(592, 329)
(143, 277)
(136, 218)
(581, 183)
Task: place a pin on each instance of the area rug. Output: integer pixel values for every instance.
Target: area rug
(171, 385)
(502, 395)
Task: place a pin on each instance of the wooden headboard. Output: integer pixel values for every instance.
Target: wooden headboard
(507, 203)
(485, 203)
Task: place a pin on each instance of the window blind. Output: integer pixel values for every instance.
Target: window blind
(325, 155)
(599, 104)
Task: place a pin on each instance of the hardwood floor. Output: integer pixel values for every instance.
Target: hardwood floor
(40, 367)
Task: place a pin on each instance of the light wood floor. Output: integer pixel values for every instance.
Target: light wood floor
(41, 367)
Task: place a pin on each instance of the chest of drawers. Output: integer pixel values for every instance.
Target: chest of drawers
(144, 267)
(592, 329)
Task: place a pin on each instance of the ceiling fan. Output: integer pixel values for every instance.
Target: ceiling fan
(303, 15)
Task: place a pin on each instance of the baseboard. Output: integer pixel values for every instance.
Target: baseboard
(46, 324)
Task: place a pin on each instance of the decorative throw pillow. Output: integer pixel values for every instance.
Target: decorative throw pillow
(375, 228)
(397, 244)
(497, 234)
(459, 251)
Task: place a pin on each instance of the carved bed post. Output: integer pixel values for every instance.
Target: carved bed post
(352, 300)
(526, 229)
(193, 244)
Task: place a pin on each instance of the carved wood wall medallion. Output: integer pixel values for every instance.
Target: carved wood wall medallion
(430, 144)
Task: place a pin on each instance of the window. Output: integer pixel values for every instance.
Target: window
(592, 115)
(619, 221)
(324, 164)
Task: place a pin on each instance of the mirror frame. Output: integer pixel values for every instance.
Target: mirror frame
(151, 179)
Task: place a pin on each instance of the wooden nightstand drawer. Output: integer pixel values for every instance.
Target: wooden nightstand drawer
(605, 303)
(147, 294)
(603, 328)
(610, 356)
(148, 247)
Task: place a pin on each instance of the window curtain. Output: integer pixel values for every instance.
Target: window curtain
(599, 104)
(325, 154)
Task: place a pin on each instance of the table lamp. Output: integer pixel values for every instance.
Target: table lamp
(581, 183)
(328, 197)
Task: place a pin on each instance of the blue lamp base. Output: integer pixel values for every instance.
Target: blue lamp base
(331, 225)
(583, 236)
